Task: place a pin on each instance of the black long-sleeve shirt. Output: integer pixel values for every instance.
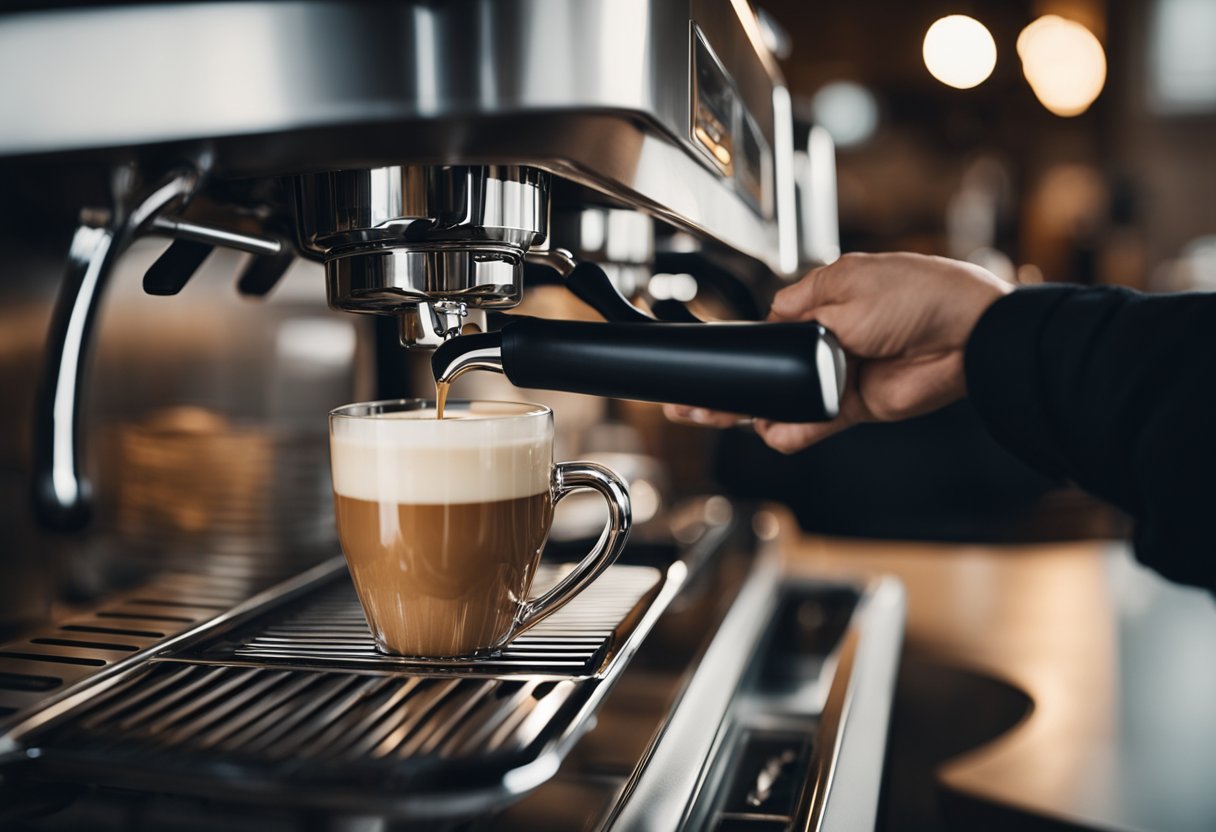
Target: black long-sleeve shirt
(1115, 391)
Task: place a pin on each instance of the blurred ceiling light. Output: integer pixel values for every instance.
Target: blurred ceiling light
(1064, 63)
(847, 110)
(959, 51)
(1182, 56)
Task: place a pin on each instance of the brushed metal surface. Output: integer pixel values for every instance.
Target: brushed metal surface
(596, 91)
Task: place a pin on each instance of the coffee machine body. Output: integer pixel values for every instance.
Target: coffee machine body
(422, 164)
(414, 149)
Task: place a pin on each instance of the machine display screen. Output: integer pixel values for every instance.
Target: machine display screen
(725, 132)
(714, 109)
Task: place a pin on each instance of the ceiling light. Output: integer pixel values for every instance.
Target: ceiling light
(959, 51)
(1064, 63)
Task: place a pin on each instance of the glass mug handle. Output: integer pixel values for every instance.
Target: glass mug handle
(569, 477)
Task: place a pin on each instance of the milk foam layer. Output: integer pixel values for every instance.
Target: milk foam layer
(412, 457)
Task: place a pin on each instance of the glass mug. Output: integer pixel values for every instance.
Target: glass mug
(443, 520)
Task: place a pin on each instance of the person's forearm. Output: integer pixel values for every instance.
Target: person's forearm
(1117, 392)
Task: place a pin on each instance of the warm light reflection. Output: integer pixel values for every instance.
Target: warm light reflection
(1064, 63)
(959, 51)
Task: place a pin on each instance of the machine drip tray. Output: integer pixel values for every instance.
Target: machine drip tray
(328, 630)
(296, 703)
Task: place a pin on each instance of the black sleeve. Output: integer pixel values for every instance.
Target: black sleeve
(1115, 391)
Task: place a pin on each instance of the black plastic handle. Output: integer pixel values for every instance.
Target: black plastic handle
(673, 311)
(174, 268)
(784, 372)
(592, 286)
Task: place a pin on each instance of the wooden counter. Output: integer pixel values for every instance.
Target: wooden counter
(1119, 667)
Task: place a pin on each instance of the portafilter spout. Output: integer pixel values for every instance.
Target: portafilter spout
(454, 358)
(784, 372)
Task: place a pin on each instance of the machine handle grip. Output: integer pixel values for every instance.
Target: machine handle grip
(590, 284)
(786, 372)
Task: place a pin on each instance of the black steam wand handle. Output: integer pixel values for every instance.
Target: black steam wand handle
(785, 372)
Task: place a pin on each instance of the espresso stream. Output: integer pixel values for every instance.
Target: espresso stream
(441, 397)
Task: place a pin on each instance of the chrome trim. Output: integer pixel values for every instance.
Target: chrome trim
(397, 236)
(428, 325)
(596, 91)
(241, 241)
(847, 759)
(62, 491)
(674, 770)
(89, 257)
(833, 369)
(560, 260)
(844, 716)
(486, 358)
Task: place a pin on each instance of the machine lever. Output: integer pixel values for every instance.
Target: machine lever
(62, 493)
(261, 274)
(672, 311)
(171, 271)
(591, 285)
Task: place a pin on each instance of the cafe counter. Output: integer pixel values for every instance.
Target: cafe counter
(1057, 686)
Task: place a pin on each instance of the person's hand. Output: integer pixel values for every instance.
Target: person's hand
(902, 319)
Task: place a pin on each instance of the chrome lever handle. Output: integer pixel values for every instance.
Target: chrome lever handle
(193, 243)
(62, 494)
(179, 229)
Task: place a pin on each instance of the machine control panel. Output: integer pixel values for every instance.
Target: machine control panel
(725, 132)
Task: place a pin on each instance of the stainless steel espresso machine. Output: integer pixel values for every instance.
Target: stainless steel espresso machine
(424, 162)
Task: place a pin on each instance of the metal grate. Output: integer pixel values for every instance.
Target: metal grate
(329, 630)
(43, 662)
(188, 727)
(365, 729)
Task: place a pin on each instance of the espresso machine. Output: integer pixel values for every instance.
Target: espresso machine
(425, 163)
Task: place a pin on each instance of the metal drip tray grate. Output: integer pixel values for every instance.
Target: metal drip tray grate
(68, 652)
(296, 704)
(328, 630)
(254, 730)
